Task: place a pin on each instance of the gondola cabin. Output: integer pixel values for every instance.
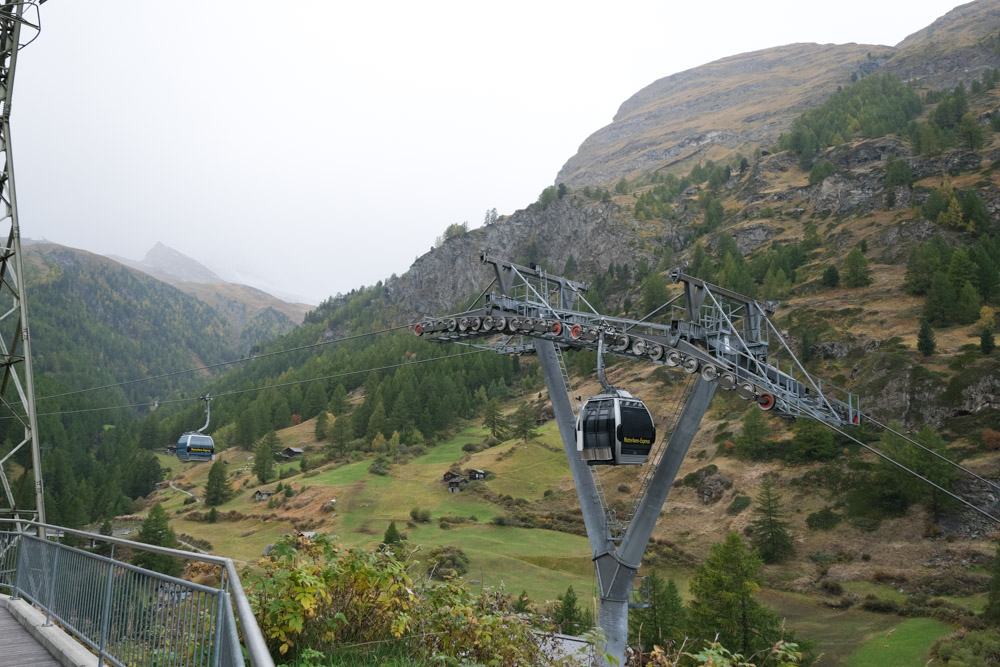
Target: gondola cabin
(195, 447)
(615, 429)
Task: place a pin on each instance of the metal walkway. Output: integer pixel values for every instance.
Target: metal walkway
(20, 649)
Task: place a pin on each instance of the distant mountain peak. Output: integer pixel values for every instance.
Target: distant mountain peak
(164, 260)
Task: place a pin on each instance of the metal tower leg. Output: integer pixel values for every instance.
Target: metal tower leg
(14, 331)
(616, 568)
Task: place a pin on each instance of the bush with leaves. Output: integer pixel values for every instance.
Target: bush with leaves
(825, 519)
(311, 593)
(458, 628)
(447, 562)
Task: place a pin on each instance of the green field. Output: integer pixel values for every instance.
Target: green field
(541, 562)
(908, 643)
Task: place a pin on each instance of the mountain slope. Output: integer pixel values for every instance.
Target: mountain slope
(734, 104)
(745, 102)
(254, 315)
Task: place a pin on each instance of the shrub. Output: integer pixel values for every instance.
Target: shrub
(380, 466)
(866, 524)
(739, 504)
(825, 519)
(832, 587)
(447, 562)
(820, 171)
(879, 606)
(991, 439)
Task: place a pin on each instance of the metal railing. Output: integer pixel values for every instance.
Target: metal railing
(126, 614)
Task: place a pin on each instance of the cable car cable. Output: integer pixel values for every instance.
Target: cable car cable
(253, 389)
(914, 473)
(223, 363)
(931, 451)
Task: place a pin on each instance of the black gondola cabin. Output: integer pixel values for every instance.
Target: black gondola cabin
(195, 447)
(615, 429)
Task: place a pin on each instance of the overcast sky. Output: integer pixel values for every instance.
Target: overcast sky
(316, 146)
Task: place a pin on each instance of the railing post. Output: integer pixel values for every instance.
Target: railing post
(105, 613)
(52, 588)
(15, 593)
(221, 628)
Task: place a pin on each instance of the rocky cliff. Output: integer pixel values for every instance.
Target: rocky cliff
(595, 234)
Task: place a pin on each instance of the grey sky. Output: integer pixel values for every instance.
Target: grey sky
(313, 147)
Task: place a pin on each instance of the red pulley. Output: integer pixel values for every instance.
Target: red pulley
(765, 401)
(556, 328)
(418, 329)
(576, 331)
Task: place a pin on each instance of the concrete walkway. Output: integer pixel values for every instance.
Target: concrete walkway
(26, 642)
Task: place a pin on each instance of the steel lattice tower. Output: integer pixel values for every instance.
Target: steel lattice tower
(17, 391)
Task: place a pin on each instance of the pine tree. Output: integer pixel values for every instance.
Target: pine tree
(723, 603)
(566, 614)
(924, 261)
(217, 490)
(926, 341)
(856, 271)
(664, 621)
(263, 457)
(961, 270)
(812, 441)
(340, 434)
(314, 401)
(968, 305)
(898, 488)
(338, 401)
(494, 420)
(524, 424)
(940, 302)
(156, 530)
(831, 276)
(322, 424)
(969, 133)
(654, 292)
(392, 535)
(987, 341)
(754, 442)
(769, 532)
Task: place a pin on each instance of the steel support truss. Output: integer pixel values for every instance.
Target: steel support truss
(723, 337)
(17, 392)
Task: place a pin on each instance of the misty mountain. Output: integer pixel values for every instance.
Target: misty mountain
(171, 266)
(253, 315)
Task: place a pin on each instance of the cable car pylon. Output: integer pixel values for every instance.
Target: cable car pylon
(721, 338)
(15, 339)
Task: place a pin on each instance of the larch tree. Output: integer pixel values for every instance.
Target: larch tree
(525, 422)
(723, 603)
(664, 621)
(217, 489)
(856, 271)
(263, 457)
(755, 440)
(926, 341)
(156, 531)
(769, 531)
(494, 420)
